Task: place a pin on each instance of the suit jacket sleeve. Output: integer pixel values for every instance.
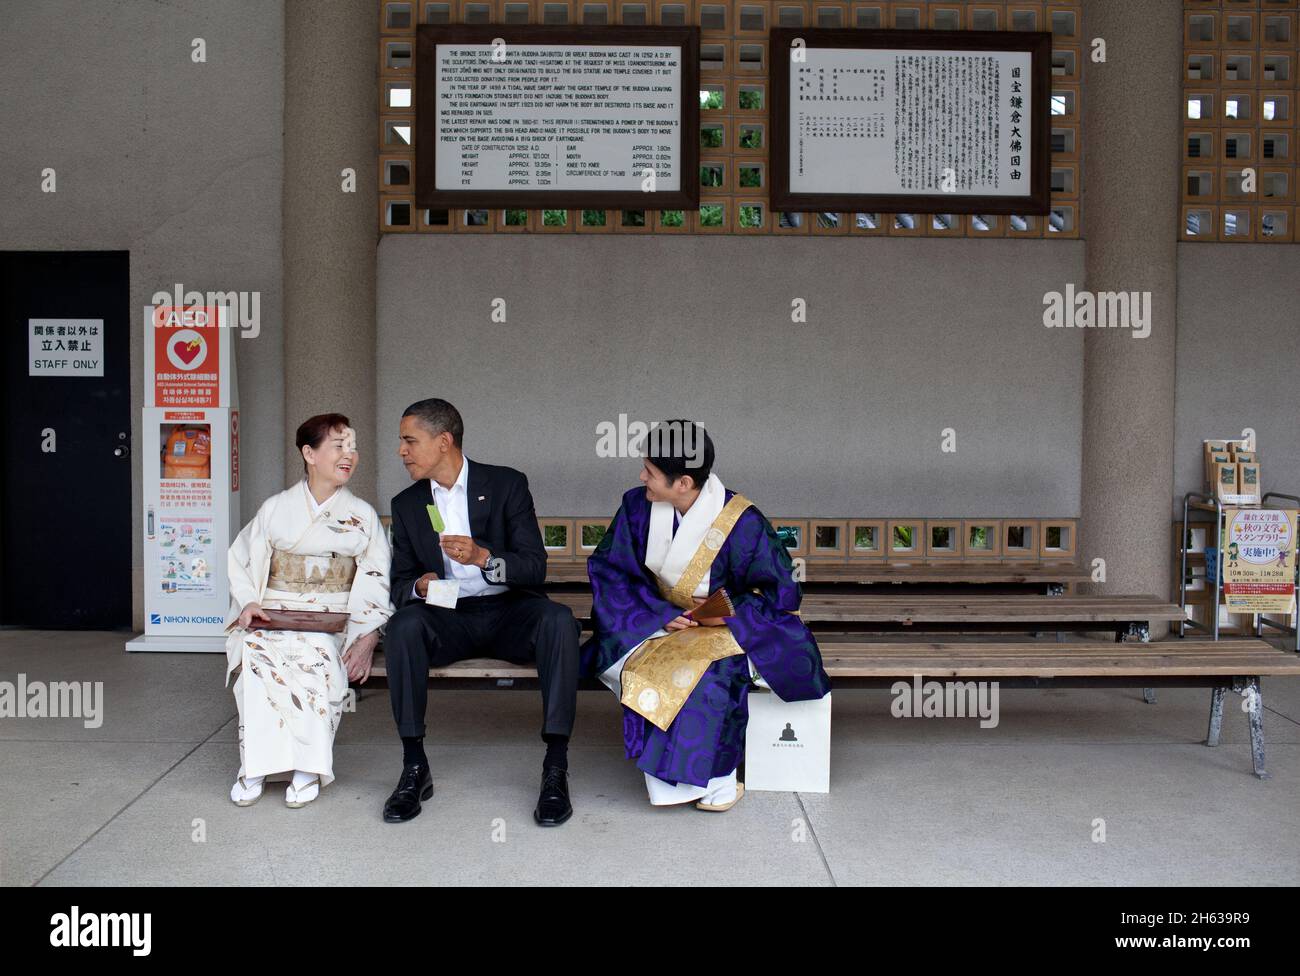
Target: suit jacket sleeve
(525, 556)
(406, 569)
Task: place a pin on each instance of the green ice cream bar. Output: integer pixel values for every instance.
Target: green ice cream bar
(435, 519)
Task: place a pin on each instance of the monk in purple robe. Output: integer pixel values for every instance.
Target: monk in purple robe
(681, 542)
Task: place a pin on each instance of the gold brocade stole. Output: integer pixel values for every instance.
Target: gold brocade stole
(663, 672)
(292, 573)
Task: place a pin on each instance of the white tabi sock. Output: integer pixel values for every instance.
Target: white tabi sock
(299, 785)
(723, 789)
(253, 784)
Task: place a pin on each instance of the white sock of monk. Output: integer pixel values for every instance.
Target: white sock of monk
(724, 789)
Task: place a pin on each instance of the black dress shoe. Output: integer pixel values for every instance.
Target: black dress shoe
(415, 785)
(553, 807)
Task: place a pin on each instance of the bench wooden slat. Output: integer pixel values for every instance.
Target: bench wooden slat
(1136, 668)
(848, 646)
(984, 659)
(866, 608)
(869, 659)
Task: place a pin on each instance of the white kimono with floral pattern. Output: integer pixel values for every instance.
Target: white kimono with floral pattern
(291, 685)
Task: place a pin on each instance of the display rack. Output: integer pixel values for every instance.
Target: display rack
(1200, 502)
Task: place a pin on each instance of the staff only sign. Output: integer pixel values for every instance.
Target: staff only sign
(1259, 550)
(190, 476)
(65, 347)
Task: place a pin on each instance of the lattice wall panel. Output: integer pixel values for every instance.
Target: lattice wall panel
(734, 130)
(1240, 66)
(1013, 541)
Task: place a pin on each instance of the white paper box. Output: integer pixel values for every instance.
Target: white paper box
(788, 744)
(443, 593)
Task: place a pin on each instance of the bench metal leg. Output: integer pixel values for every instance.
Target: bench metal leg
(1216, 715)
(1137, 631)
(1255, 715)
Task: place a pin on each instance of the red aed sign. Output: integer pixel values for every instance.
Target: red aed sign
(186, 358)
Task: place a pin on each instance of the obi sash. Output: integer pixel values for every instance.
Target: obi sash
(293, 572)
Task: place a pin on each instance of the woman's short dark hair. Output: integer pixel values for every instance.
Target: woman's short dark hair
(437, 416)
(313, 431)
(678, 447)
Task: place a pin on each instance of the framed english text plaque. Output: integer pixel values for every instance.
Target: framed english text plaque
(911, 121)
(555, 116)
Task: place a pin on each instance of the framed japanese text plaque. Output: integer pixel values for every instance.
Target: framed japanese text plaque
(556, 116)
(911, 121)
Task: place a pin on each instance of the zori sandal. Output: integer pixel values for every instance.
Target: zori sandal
(722, 807)
(243, 795)
(295, 799)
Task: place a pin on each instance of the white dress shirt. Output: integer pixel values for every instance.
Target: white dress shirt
(453, 506)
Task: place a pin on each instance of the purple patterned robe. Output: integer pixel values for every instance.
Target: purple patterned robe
(707, 738)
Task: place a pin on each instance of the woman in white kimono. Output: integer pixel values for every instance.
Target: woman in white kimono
(315, 546)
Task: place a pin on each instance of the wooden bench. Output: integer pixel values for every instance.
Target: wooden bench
(1128, 616)
(1177, 662)
(846, 599)
(1224, 665)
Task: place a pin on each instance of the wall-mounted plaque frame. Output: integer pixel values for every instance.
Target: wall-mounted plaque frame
(557, 116)
(903, 121)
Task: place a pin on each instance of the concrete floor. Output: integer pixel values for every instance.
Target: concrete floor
(143, 799)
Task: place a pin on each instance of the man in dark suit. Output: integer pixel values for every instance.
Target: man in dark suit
(472, 523)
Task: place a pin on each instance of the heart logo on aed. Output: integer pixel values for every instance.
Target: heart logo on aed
(187, 349)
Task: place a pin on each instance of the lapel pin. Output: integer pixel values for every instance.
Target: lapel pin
(482, 497)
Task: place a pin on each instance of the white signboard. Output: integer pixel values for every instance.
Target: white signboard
(65, 347)
(558, 117)
(910, 121)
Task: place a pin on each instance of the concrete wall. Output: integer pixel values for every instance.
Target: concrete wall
(179, 163)
(839, 416)
(1238, 358)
